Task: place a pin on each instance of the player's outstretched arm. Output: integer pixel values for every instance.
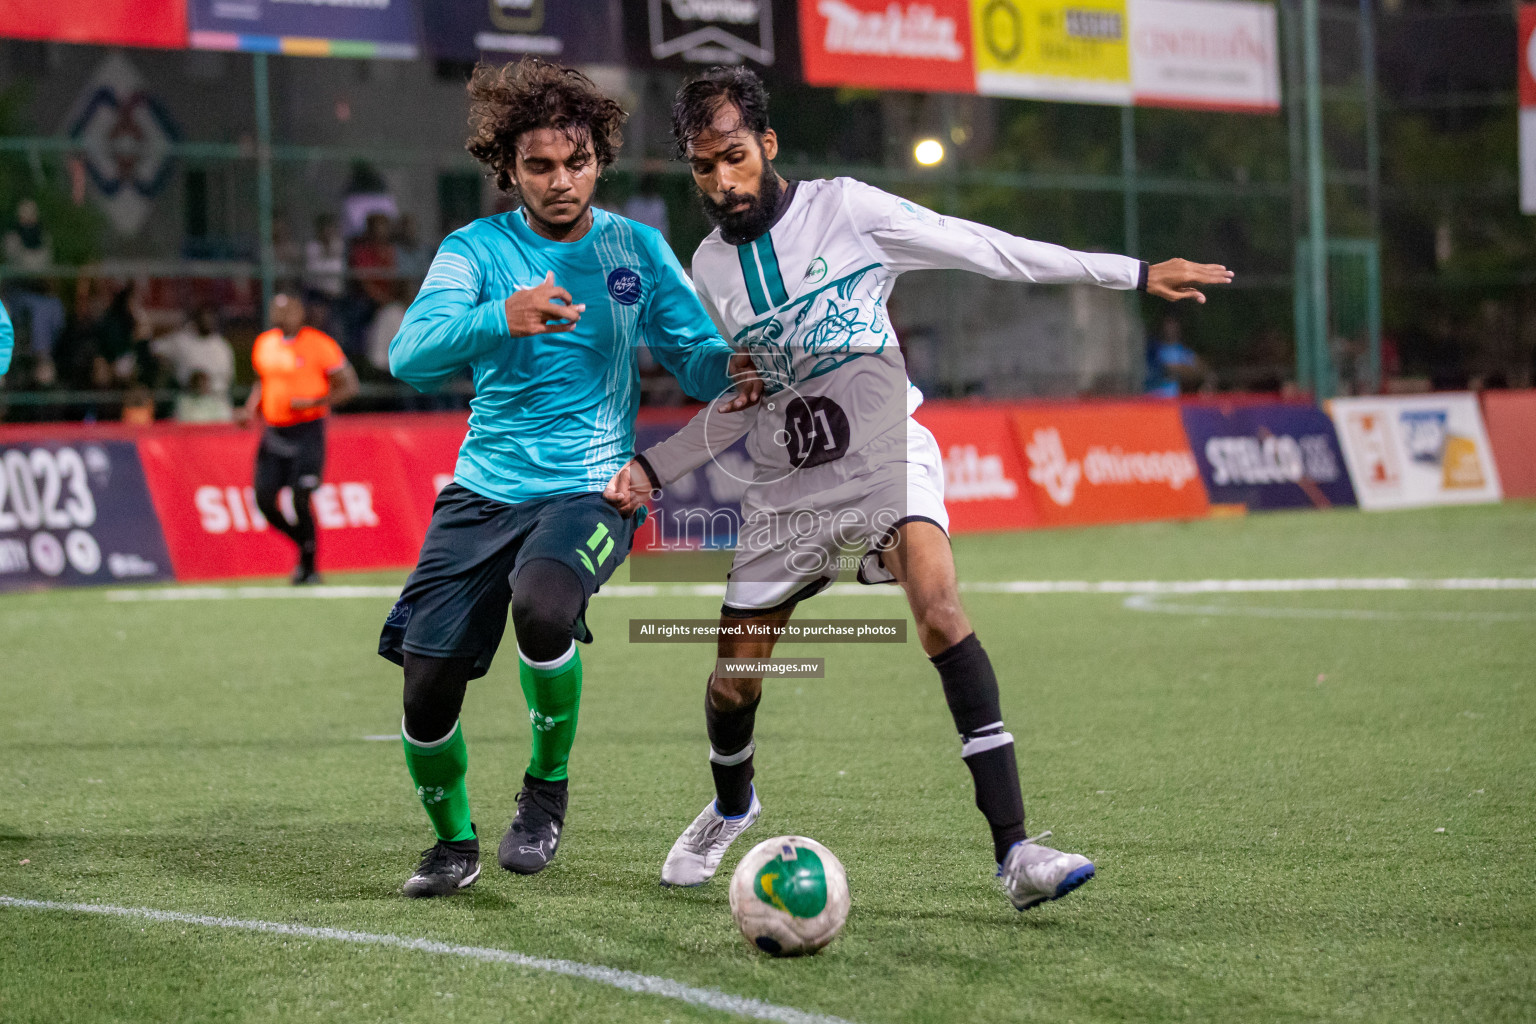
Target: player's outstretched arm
(709, 433)
(1180, 279)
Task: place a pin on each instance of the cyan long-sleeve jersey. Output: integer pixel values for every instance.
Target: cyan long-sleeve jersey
(555, 413)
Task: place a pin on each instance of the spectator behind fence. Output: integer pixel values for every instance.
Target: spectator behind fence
(411, 257)
(325, 269)
(29, 249)
(203, 364)
(374, 254)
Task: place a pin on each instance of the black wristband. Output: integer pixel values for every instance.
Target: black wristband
(1141, 278)
(650, 474)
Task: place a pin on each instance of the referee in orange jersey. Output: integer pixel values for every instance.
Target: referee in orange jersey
(300, 374)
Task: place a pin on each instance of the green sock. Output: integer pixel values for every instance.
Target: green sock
(438, 770)
(553, 691)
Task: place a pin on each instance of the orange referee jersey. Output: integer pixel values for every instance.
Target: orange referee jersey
(292, 368)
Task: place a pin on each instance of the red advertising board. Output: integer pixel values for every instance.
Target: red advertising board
(913, 45)
(371, 511)
(985, 487)
(1511, 420)
(1109, 462)
(135, 23)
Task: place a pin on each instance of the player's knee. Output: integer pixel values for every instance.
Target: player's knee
(732, 693)
(940, 616)
(546, 599)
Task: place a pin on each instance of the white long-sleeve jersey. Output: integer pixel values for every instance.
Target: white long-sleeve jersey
(807, 299)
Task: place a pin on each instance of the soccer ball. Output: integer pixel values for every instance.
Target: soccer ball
(789, 896)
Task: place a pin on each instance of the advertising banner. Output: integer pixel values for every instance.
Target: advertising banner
(1410, 450)
(1268, 456)
(307, 28)
(1511, 420)
(1109, 462)
(74, 514)
(1053, 49)
(201, 483)
(1205, 54)
(690, 35)
(132, 23)
(985, 481)
(702, 509)
(568, 31)
(923, 45)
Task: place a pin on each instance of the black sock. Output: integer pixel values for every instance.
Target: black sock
(970, 688)
(730, 755)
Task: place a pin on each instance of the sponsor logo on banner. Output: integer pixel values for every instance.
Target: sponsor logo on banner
(1101, 467)
(712, 31)
(1268, 456)
(1207, 54)
(371, 512)
(1053, 49)
(1416, 450)
(984, 476)
(76, 514)
(1114, 462)
(920, 45)
(574, 31)
(971, 476)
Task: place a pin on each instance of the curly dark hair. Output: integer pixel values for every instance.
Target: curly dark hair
(508, 100)
(693, 111)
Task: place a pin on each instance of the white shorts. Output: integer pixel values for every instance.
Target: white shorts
(795, 544)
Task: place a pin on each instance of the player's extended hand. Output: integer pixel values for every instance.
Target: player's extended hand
(543, 309)
(1176, 279)
(749, 386)
(629, 488)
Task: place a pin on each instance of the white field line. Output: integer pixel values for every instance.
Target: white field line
(1252, 586)
(629, 981)
(1151, 603)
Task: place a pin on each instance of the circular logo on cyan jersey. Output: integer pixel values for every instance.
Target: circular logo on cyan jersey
(624, 286)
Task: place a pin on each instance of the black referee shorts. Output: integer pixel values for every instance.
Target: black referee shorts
(455, 603)
(291, 457)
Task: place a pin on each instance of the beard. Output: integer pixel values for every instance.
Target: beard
(741, 226)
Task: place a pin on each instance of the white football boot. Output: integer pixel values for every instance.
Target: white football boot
(1032, 873)
(695, 856)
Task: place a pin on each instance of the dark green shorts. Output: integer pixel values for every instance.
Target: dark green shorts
(455, 603)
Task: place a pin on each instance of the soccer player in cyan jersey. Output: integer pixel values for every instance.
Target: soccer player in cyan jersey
(798, 272)
(547, 306)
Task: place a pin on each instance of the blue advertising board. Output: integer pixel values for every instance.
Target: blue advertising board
(562, 31)
(312, 28)
(75, 515)
(703, 509)
(1268, 456)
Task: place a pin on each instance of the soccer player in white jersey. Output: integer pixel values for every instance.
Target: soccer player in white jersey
(798, 273)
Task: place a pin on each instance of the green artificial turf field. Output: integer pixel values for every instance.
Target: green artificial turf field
(1303, 806)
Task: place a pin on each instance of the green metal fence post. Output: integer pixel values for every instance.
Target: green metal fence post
(1317, 212)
